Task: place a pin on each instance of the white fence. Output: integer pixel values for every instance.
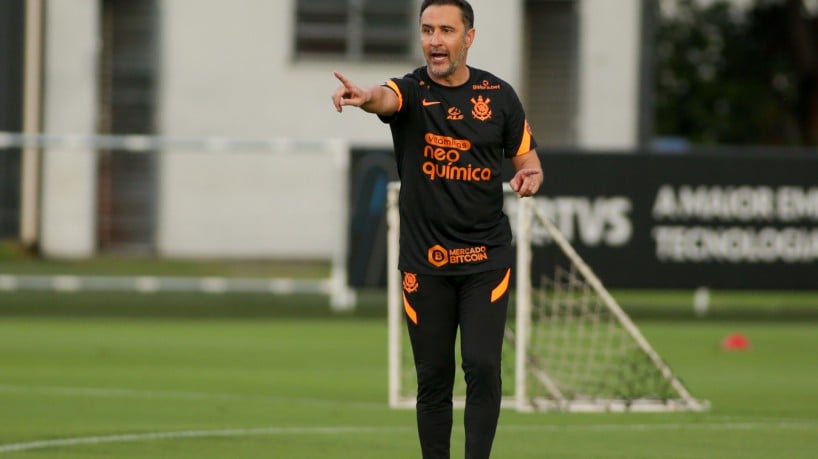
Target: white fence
(216, 198)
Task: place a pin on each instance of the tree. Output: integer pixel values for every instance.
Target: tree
(729, 75)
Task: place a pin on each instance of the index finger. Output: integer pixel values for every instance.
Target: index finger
(342, 79)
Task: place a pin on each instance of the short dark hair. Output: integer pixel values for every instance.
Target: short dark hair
(465, 9)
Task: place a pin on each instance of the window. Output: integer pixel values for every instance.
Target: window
(354, 29)
(552, 53)
(127, 186)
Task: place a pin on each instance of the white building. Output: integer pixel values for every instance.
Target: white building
(263, 69)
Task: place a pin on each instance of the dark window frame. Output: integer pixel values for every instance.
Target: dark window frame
(356, 30)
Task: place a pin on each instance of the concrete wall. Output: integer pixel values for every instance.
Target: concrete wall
(609, 74)
(254, 205)
(227, 69)
(68, 212)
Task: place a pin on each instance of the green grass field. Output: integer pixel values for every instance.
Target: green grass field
(288, 387)
(185, 375)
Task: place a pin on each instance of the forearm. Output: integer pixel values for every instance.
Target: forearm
(380, 101)
(530, 160)
(529, 177)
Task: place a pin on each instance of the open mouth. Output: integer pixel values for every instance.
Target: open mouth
(438, 57)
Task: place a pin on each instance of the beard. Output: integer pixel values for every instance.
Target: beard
(446, 70)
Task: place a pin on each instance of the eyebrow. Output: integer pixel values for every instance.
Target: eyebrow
(442, 26)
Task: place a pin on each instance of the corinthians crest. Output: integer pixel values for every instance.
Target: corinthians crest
(410, 282)
(481, 110)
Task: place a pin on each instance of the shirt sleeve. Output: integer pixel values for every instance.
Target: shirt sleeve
(403, 88)
(517, 136)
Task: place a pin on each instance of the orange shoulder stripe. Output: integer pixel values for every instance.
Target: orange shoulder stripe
(525, 144)
(394, 87)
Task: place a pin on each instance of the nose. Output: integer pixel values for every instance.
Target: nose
(434, 39)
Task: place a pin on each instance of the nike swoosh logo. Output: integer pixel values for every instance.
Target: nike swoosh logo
(427, 103)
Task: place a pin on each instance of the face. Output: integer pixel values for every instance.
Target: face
(445, 41)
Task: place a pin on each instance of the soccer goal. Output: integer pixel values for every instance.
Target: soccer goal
(569, 346)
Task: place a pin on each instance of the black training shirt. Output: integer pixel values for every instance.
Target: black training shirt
(449, 146)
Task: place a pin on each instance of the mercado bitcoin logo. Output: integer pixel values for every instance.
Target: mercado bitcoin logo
(468, 255)
(438, 256)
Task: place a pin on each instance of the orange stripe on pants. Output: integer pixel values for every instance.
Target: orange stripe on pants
(410, 311)
(501, 288)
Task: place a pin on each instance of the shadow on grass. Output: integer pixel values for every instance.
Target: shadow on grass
(185, 305)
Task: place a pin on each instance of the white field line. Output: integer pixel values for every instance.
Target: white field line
(154, 284)
(336, 430)
(122, 438)
(727, 423)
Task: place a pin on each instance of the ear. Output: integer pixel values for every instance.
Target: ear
(470, 37)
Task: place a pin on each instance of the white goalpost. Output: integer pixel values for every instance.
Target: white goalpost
(569, 346)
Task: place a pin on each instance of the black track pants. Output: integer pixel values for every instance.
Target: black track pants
(435, 306)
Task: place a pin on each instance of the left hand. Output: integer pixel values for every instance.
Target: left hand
(526, 182)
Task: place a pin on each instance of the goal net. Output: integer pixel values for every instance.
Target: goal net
(568, 347)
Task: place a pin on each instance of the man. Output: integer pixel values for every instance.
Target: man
(452, 125)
